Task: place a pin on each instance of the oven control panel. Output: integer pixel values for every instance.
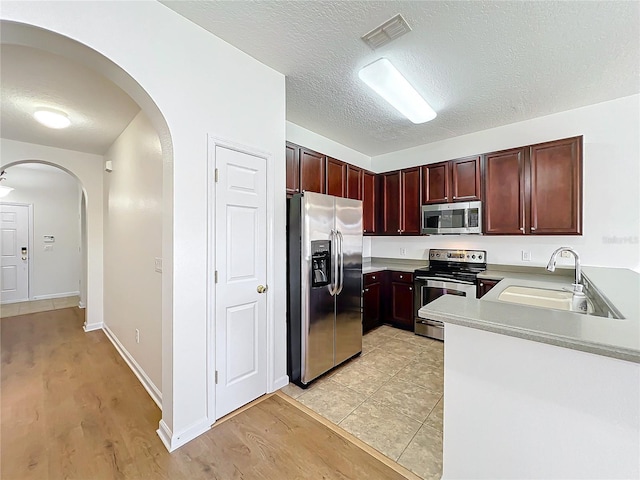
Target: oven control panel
(467, 256)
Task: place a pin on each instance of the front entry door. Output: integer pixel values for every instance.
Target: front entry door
(14, 252)
(240, 263)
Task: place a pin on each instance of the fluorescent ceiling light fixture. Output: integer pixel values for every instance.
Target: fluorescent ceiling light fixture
(52, 118)
(383, 78)
(4, 191)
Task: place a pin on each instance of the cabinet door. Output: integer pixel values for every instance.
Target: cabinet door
(556, 187)
(369, 202)
(465, 179)
(371, 312)
(354, 182)
(391, 204)
(483, 286)
(410, 201)
(435, 183)
(312, 171)
(402, 305)
(293, 168)
(336, 177)
(504, 193)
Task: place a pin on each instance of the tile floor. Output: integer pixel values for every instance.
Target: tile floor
(390, 397)
(35, 306)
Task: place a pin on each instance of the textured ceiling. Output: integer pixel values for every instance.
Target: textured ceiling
(479, 64)
(31, 78)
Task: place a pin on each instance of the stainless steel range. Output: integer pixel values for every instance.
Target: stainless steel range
(450, 272)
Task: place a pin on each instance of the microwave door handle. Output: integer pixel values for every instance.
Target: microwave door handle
(341, 241)
(466, 218)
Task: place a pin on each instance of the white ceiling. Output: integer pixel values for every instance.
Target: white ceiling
(479, 64)
(31, 78)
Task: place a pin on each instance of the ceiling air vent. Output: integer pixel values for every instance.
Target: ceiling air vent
(390, 30)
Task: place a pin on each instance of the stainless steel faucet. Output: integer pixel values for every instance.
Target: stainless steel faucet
(579, 300)
(551, 266)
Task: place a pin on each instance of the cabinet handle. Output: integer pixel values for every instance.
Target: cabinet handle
(374, 277)
(410, 288)
(400, 276)
(533, 229)
(454, 197)
(366, 289)
(399, 230)
(481, 284)
(365, 230)
(522, 229)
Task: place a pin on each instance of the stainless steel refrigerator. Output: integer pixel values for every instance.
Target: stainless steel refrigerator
(325, 284)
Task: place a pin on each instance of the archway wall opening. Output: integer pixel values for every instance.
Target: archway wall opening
(196, 85)
(54, 256)
(87, 169)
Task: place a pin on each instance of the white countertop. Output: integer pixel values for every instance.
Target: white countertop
(618, 338)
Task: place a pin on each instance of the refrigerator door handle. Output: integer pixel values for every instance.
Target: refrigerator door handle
(333, 286)
(341, 239)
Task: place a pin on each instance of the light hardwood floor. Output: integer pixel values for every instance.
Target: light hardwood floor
(71, 408)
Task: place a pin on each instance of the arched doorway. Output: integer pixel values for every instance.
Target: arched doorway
(52, 270)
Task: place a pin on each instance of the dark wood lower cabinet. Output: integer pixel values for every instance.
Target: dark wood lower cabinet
(402, 315)
(371, 302)
(483, 286)
(387, 297)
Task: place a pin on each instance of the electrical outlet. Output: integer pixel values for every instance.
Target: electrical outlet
(526, 256)
(137, 336)
(403, 252)
(158, 264)
(565, 254)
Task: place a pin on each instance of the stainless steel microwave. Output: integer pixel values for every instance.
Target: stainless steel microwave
(452, 218)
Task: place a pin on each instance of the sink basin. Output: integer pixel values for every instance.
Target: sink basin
(538, 297)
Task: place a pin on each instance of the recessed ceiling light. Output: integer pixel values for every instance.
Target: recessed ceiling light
(52, 118)
(384, 79)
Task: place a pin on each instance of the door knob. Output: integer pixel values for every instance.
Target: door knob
(261, 289)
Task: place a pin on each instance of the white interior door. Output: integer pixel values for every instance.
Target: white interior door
(14, 253)
(240, 262)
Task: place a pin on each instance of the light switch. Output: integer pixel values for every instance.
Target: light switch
(158, 263)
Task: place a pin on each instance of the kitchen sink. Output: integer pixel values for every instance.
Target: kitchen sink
(540, 297)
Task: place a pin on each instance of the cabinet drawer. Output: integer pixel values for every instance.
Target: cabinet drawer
(402, 277)
(374, 277)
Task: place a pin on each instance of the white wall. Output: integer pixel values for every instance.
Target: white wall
(202, 86)
(133, 238)
(611, 207)
(87, 168)
(55, 196)
(516, 408)
(306, 138)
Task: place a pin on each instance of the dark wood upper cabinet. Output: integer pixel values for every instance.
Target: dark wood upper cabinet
(401, 202)
(435, 183)
(452, 181)
(556, 187)
(354, 182)
(391, 203)
(410, 201)
(293, 168)
(465, 179)
(312, 171)
(369, 200)
(336, 177)
(534, 190)
(504, 193)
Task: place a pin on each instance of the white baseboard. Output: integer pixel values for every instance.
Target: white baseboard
(174, 441)
(90, 327)
(81, 304)
(148, 385)
(9, 302)
(279, 383)
(55, 295)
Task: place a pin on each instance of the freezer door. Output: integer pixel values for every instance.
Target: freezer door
(317, 303)
(349, 298)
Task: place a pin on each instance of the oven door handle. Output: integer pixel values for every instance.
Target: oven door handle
(444, 280)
